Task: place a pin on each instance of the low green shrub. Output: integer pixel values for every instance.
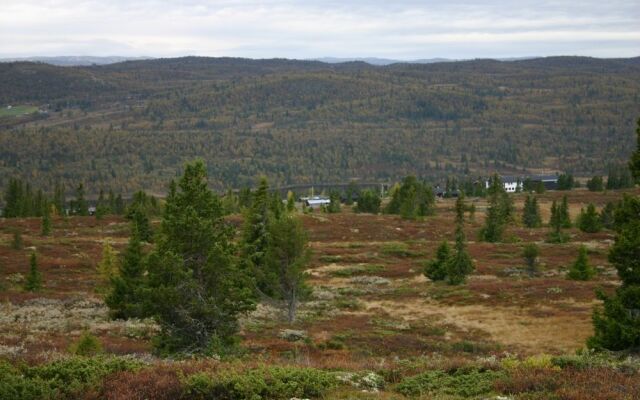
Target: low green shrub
(473, 347)
(397, 249)
(61, 379)
(87, 345)
(261, 383)
(357, 270)
(585, 359)
(330, 258)
(558, 238)
(539, 361)
(348, 304)
(13, 385)
(461, 382)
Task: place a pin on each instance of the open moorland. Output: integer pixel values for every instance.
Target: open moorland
(373, 327)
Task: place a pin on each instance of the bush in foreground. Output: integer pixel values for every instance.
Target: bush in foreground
(62, 379)
(462, 382)
(261, 383)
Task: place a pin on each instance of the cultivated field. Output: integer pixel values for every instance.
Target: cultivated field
(371, 308)
(17, 111)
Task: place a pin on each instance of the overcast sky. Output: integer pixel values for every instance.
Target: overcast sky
(311, 29)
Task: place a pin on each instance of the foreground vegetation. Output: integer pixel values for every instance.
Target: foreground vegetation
(370, 321)
(541, 377)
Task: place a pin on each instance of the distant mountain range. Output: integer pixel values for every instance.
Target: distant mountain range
(389, 61)
(71, 61)
(379, 61)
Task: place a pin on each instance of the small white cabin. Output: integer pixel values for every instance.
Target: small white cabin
(316, 201)
(510, 184)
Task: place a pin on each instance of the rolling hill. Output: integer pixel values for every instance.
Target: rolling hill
(131, 125)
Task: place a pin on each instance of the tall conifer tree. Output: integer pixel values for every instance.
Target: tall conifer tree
(196, 291)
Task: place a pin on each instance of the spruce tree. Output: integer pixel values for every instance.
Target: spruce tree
(140, 220)
(14, 199)
(606, 216)
(255, 237)
(554, 220)
(634, 163)
(351, 193)
(196, 290)
(565, 182)
(565, 218)
(119, 205)
(498, 213)
(287, 258)
(27, 206)
(291, 202)
(460, 264)
(59, 199)
(230, 203)
(620, 177)
(126, 295)
(589, 220)
(408, 204)
(531, 214)
(556, 235)
(617, 323)
(40, 204)
(411, 199)
(436, 269)
(16, 242)
(368, 202)
(595, 184)
(111, 200)
(581, 270)
(530, 254)
(539, 187)
(33, 282)
(244, 197)
(79, 204)
(108, 265)
(276, 206)
(102, 207)
(46, 224)
(334, 205)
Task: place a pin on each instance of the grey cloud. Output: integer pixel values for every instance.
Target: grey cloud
(303, 29)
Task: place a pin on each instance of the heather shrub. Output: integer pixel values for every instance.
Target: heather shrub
(542, 381)
(159, 383)
(570, 384)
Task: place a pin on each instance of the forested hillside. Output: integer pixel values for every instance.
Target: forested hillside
(131, 125)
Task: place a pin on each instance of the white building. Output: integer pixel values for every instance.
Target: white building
(316, 201)
(510, 184)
